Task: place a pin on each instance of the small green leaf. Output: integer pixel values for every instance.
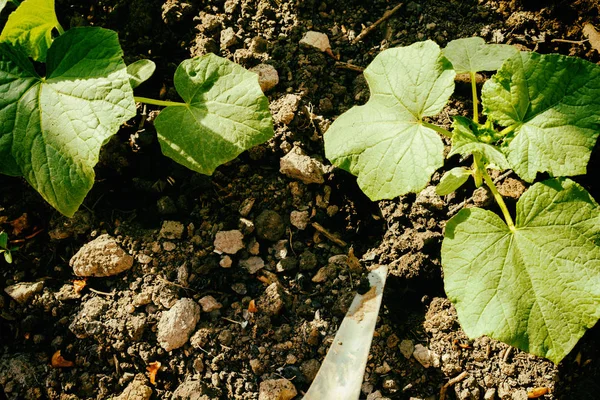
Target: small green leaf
(452, 180)
(8, 257)
(553, 104)
(52, 128)
(3, 240)
(537, 287)
(30, 27)
(474, 55)
(224, 114)
(466, 142)
(140, 71)
(384, 142)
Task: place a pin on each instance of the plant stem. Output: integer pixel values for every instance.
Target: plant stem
(478, 169)
(436, 128)
(499, 200)
(474, 91)
(162, 103)
(508, 130)
(60, 29)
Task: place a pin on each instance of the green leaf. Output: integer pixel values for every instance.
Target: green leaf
(8, 257)
(465, 142)
(140, 71)
(452, 180)
(553, 104)
(474, 55)
(53, 127)
(3, 240)
(224, 114)
(30, 27)
(537, 287)
(384, 142)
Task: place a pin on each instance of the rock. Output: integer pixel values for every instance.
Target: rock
(317, 40)
(392, 341)
(171, 230)
(226, 262)
(286, 264)
(253, 264)
(490, 394)
(87, 321)
(246, 226)
(407, 347)
(228, 38)
(209, 22)
(101, 257)
(258, 45)
(298, 165)
(308, 260)
(310, 368)
(257, 366)
(424, 356)
(268, 77)
(23, 291)
(325, 273)
(269, 226)
(192, 389)
(277, 389)
(300, 219)
(176, 325)
(284, 108)
(137, 389)
(209, 303)
(246, 206)
(383, 369)
(229, 242)
(273, 300)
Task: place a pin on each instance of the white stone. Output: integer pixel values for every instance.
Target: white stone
(423, 355)
(317, 40)
(298, 165)
(299, 219)
(209, 303)
(229, 242)
(101, 257)
(177, 324)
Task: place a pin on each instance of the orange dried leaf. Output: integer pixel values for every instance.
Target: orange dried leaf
(79, 284)
(152, 369)
(20, 224)
(252, 307)
(58, 361)
(537, 392)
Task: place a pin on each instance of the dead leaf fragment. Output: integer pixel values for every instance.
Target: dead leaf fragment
(537, 392)
(252, 307)
(79, 284)
(152, 369)
(58, 361)
(593, 36)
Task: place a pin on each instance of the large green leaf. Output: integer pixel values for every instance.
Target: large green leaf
(224, 114)
(553, 104)
(467, 139)
(474, 55)
(537, 287)
(52, 128)
(385, 142)
(30, 27)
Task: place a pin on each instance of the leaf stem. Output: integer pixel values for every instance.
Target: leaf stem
(508, 130)
(59, 28)
(499, 200)
(475, 101)
(162, 103)
(478, 169)
(436, 128)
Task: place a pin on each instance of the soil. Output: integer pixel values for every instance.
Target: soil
(270, 309)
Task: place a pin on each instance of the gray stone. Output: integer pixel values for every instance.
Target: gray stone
(229, 242)
(253, 264)
(298, 165)
(209, 303)
(23, 291)
(317, 40)
(268, 77)
(101, 257)
(407, 347)
(300, 219)
(177, 324)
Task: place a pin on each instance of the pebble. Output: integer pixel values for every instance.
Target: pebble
(209, 303)
(101, 257)
(228, 38)
(269, 226)
(297, 165)
(246, 206)
(268, 77)
(229, 242)
(300, 219)
(136, 390)
(273, 300)
(253, 264)
(407, 347)
(257, 366)
(284, 108)
(490, 394)
(177, 324)
(424, 356)
(171, 230)
(325, 273)
(383, 369)
(169, 246)
(317, 40)
(226, 262)
(23, 291)
(310, 368)
(277, 389)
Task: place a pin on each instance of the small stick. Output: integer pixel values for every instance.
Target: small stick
(386, 16)
(102, 293)
(570, 41)
(351, 67)
(452, 382)
(329, 235)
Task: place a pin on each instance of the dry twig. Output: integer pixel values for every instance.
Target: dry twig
(329, 235)
(452, 382)
(386, 16)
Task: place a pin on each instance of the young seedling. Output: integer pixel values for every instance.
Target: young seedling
(532, 280)
(53, 125)
(5, 250)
